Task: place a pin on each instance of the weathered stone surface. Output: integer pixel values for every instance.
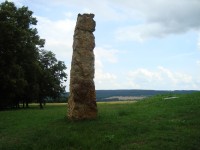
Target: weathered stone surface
(82, 98)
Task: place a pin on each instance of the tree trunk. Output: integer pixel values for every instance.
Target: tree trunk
(27, 104)
(41, 107)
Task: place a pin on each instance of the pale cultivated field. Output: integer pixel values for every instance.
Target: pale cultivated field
(127, 97)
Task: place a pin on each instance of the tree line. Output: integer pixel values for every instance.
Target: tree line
(28, 72)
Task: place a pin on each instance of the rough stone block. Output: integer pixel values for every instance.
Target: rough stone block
(82, 98)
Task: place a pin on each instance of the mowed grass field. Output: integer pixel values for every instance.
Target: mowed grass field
(153, 124)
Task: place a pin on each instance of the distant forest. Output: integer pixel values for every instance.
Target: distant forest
(101, 95)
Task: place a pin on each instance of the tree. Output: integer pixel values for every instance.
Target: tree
(52, 76)
(14, 34)
(21, 60)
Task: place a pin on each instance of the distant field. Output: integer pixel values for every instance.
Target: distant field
(153, 123)
(117, 102)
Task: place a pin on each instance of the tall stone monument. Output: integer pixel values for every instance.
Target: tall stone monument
(82, 98)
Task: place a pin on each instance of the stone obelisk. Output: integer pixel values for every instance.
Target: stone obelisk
(82, 98)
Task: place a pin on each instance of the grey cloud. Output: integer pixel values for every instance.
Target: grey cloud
(171, 17)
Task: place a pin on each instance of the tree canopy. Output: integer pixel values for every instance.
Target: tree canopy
(28, 73)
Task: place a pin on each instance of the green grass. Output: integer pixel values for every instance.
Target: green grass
(153, 123)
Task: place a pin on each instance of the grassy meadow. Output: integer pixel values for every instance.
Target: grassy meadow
(153, 123)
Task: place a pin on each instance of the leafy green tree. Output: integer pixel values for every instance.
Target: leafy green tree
(18, 43)
(27, 73)
(52, 76)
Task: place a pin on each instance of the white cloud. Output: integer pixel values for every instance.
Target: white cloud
(143, 79)
(101, 76)
(105, 80)
(106, 54)
(103, 57)
(175, 77)
(198, 42)
(58, 35)
(198, 62)
(161, 78)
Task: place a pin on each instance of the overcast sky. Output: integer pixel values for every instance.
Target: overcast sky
(140, 44)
